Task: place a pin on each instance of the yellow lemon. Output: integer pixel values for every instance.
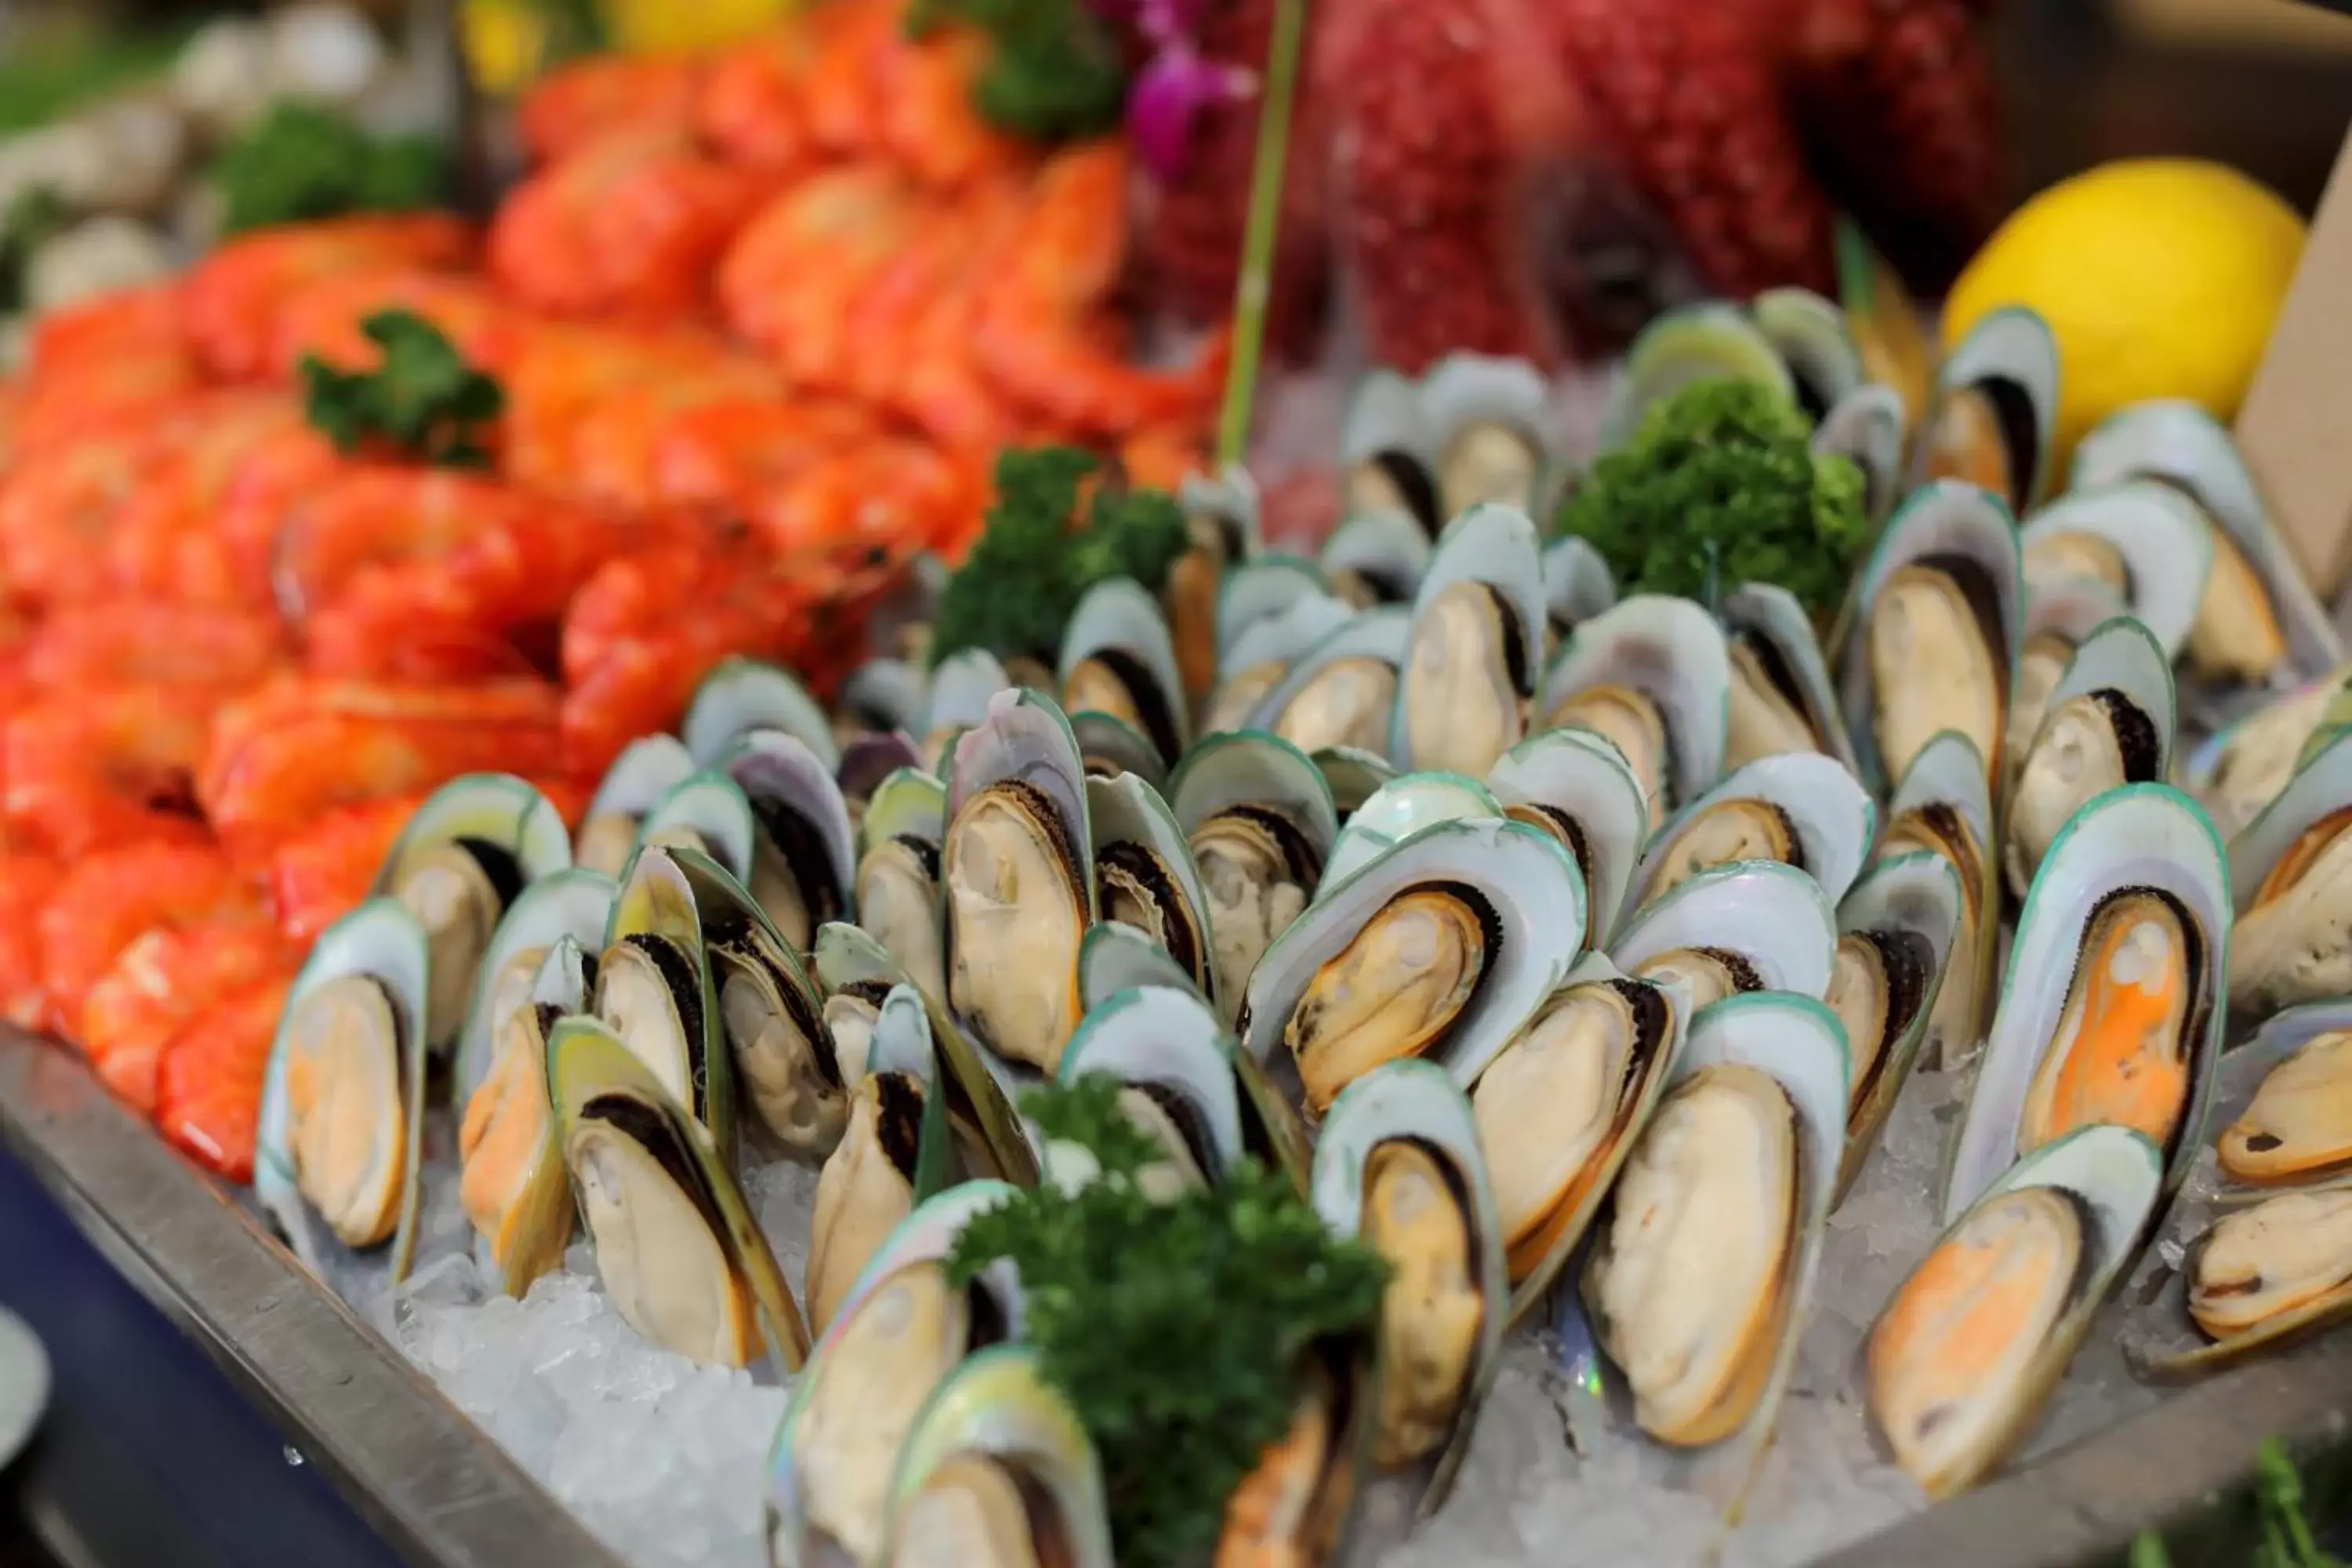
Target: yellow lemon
(687, 25)
(503, 41)
(2160, 277)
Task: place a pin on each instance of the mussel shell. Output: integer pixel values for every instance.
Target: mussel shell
(868, 758)
(379, 942)
(802, 818)
(1944, 525)
(1168, 1043)
(592, 1077)
(1262, 590)
(999, 1413)
(1944, 799)
(2162, 540)
(1136, 838)
(2109, 1179)
(1470, 399)
(2285, 885)
(1382, 552)
(1865, 427)
(1831, 816)
(1353, 775)
(1917, 901)
(1810, 334)
(648, 768)
(1777, 632)
(1253, 769)
(2119, 670)
(655, 911)
(1400, 809)
(1578, 584)
(575, 902)
(1580, 786)
(1672, 652)
(537, 1219)
(1112, 749)
(1228, 500)
(1773, 917)
(1385, 449)
(740, 695)
(1521, 877)
(1119, 627)
(2009, 358)
(2146, 837)
(2179, 443)
(706, 811)
(1712, 341)
(1377, 635)
(883, 695)
(909, 804)
(961, 686)
(1415, 1102)
(1492, 546)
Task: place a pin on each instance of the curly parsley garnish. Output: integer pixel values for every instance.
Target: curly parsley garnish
(422, 401)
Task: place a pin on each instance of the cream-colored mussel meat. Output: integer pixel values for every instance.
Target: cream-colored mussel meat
(1934, 662)
(2294, 944)
(346, 1107)
(1017, 911)
(2299, 1123)
(1393, 991)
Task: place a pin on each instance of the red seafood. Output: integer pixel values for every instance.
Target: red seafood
(166, 977)
(209, 1077)
(231, 300)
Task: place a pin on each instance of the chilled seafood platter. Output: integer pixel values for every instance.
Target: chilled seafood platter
(1675, 1079)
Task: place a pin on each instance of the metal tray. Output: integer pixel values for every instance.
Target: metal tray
(444, 1494)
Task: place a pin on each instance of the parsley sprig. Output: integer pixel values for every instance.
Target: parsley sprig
(1175, 1328)
(422, 401)
(1055, 72)
(300, 161)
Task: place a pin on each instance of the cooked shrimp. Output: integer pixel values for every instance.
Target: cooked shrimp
(188, 531)
(59, 504)
(209, 1077)
(840, 93)
(882, 494)
(788, 281)
(325, 870)
(363, 514)
(563, 372)
(231, 300)
(137, 640)
(111, 895)
(28, 882)
(730, 451)
(928, 120)
(162, 980)
(324, 317)
(98, 765)
(108, 327)
(590, 99)
(625, 228)
(754, 107)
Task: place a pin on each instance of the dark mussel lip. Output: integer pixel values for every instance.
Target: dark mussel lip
(635, 1118)
(1948, 826)
(873, 990)
(1745, 976)
(926, 852)
(1906, 961)
(1774, 663)
(1159, 722)
(899, 1121)
(806, 857)
(1151, 874)
(1653, 1016)
(1415, 485)
(1191, 1122)
(501, 866)
(1387, 587)
(1040, 808)
(1515, 642)
(1298, 856)
(728, 941)
(2020, 433)
(1977, 591)
(676, 969)
(2135, 735)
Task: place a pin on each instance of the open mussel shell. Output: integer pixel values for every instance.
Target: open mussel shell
(705, 811)
(510, 1174)
(981, 1086)
(1971, 1346)
(648, 768)
(1804, 809)
(1700, 1281)
(2242, 623)
(869, 757)
(1484, 416)
(961, 686)
(1713, 341)
(2256, 1251)
(1260, 590)
(2291, 883)
(882, 695)
(1342, 691)
(655, 990)
(1781, 698)
(1146, 876)
(342, 1103)
(1353, 775)
(677, 1246)
(575, 902)
(1262, 652)
(1558, 1112)
(1865, 427)
(1118, 658)
(1115, 958)
(2058, 617)
(1936, 617)
(1753, 926)
(1227, 504)
(1174, 1061)
(1260, 822)
(1576, 786)
(740, 695)
(1111, 748)
(2108, 722)
(1576, 582)
(1017, 890)
(1397, 1166)
(1441, 947)
(804, 866)
(1993, 417)
(1653, 675)
(1400, 809)
(999, 1472)
(898, 892)
(896, 1335)
(1810, 334)
(1942, 806)
(1386, 456)
(893, 1151)
(1888, 329)
(770, 1013)
(2142, 540)
(464, 857)
(1377, 558)
(1476, 646)
(2241, 768)
(1897, 930)
(2112, 1008)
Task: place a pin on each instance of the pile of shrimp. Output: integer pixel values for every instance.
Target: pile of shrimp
(762, 321)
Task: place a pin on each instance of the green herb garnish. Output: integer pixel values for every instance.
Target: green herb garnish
(422, 401)
(1017, 588)
(2281, 1528)
(1055, 72)
(1721, 485)
(38, 213)
(302, 162)
(1176, 1329)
